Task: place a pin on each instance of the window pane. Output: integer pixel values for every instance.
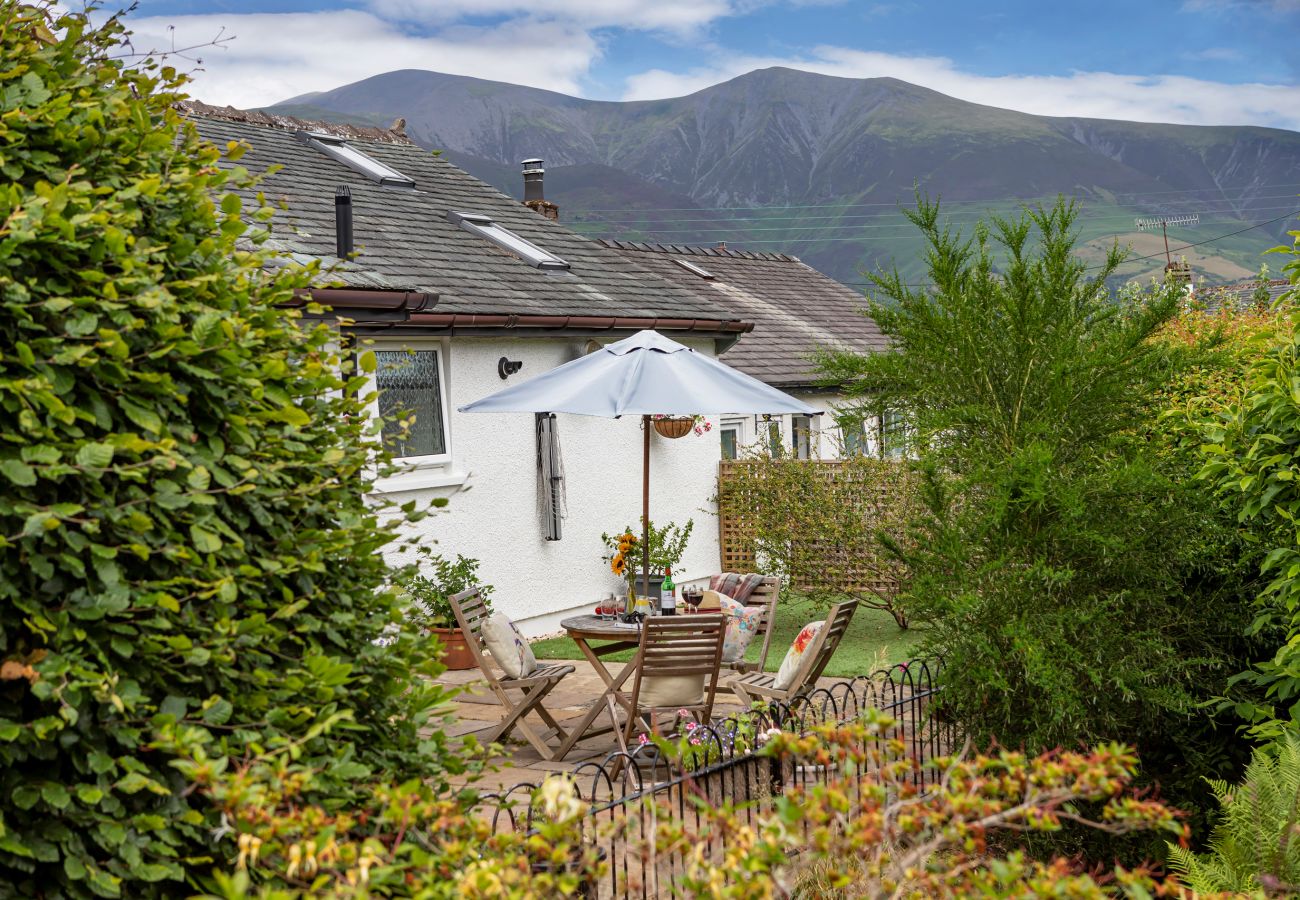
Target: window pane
(730, 443)
(802, 437)
(409, 384)
(853, 436)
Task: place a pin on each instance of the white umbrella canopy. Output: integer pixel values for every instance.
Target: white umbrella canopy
(644, 375)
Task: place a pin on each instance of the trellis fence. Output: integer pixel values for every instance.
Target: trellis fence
(817, 520)
(620, 821)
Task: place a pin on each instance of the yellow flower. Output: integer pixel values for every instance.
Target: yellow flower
(618, 565)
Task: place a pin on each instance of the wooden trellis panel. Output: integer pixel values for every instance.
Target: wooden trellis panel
(843, 569)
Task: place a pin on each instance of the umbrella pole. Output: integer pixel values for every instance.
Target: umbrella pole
(645, 508)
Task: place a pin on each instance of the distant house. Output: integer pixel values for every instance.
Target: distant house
(796, 311)
(461, 290)
(1243, 294)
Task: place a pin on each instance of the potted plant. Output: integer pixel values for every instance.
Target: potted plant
(680, 426)
(667, 546)
(428, 589)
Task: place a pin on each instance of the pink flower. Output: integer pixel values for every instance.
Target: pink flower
(691, 726)
(683, 712)
(643, 739)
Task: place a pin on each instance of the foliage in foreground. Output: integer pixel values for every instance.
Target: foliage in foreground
(853, 835)
(189, 565)
(1256, 844)
(1254, 457)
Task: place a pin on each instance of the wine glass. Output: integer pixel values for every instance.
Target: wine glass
(693, 597)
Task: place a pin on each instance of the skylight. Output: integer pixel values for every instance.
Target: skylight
(338, 149)
(507, 240)
(694, 269)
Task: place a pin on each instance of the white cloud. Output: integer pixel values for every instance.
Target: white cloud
(680, 16)
(1103, 95)
(274, 56)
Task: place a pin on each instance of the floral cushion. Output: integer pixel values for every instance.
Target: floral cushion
(742, 626)
(794, 657)
(508, 647)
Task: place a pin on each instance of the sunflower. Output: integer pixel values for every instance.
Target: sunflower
(618, 565)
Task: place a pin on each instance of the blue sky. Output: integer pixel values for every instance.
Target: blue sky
(1198, 61)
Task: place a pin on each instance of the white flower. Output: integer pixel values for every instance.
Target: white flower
(560, 799)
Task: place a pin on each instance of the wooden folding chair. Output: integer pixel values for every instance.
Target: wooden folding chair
(471, 613)
(674, 646)
(755, 686)
(765, 595)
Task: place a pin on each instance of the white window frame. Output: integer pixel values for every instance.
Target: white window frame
(430, 470)
(736, 425)
(809, 435)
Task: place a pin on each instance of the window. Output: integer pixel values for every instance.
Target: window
(853, 436)
(729, 434)
(772, 427)
(801, 435)
(410, 388)
(694, 269)
(338, 149)
(893, 435)
(507, 240)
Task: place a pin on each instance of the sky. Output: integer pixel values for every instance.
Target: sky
(1205, 62)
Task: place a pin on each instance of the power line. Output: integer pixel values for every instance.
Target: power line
(1015, 200)
(750, 229)
(806, 218)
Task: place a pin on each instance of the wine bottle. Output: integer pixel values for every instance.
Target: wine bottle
(668, 595)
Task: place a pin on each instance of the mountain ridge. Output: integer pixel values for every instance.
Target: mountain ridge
(782, 141)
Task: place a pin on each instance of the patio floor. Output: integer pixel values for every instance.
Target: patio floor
(477, 711)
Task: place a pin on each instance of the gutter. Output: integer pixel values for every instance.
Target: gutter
(472, 323)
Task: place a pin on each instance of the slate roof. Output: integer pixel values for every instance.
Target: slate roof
(795, 309)
(1241, 295)
(407, 243)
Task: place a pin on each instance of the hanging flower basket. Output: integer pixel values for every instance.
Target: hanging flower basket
(671, 427)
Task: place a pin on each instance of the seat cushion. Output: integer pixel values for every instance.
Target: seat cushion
(672, 690)
(742, 626)
(794, 657)
(508, 647)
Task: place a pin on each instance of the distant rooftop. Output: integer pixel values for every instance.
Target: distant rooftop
(796, 310)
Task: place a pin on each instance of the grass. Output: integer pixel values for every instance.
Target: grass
(872, 641)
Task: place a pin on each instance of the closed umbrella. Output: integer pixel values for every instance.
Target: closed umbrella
(646, 375)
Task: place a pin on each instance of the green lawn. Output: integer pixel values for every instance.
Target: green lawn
(872, 640)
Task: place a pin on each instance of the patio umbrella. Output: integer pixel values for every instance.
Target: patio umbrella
(644, 375)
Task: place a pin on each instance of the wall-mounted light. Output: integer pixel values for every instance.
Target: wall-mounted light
(508, 367)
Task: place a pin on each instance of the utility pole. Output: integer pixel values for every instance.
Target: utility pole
(1182, 271)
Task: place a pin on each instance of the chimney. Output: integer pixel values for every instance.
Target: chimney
(343, 223)
(722, 245)
(534, 199)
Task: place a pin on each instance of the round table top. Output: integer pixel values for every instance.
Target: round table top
(594, 626)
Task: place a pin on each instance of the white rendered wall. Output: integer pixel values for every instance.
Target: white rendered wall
(495, 516)
(827, 442)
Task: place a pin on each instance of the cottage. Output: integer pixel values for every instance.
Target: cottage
(796, 311)
(461, 290)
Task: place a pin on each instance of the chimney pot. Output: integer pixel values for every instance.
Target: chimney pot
(343, 222)
(534, 198)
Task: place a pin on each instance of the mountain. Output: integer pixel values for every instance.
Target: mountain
(780, 159)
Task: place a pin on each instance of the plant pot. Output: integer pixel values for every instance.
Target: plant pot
(674, 428)
(656, 586)
(455, 652)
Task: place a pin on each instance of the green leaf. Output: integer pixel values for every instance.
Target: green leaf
(95, 456)
(141, 415)
(18, 472)
(74, 868)
(204, 541)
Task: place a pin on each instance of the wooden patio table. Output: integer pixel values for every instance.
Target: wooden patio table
(612, 636)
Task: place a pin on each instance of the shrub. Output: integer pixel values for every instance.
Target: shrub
(1256, 844)
(189, 563)
(1066, 565)
(853, 835)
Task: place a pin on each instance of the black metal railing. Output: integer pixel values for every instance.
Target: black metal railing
(722, 765)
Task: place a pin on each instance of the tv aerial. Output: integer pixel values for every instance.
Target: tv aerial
(1149, 223)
